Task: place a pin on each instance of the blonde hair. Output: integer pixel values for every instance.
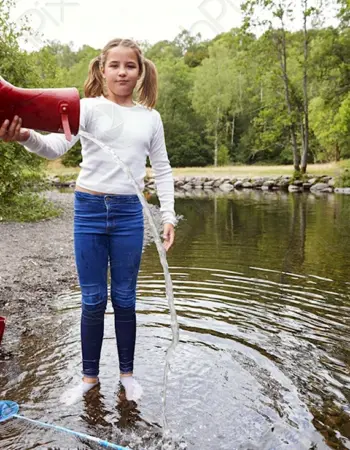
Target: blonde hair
(147, 86)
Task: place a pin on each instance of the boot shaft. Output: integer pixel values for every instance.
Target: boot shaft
(2, 327)
(54, 110)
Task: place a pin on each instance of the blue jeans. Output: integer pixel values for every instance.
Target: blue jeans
(108, 229)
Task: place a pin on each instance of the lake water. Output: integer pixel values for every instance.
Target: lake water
(262, 291)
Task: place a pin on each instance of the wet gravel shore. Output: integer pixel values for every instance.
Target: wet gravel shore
(37, 259)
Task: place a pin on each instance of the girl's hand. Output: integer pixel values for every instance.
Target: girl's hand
(168, 235)
(13, 132)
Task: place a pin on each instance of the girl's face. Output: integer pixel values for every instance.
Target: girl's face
(121, 71)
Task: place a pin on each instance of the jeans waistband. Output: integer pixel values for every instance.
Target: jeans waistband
(102, 198)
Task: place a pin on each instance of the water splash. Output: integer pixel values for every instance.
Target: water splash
(163, 260)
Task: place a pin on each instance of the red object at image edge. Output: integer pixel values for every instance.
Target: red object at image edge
(2, 327)
(54, 110)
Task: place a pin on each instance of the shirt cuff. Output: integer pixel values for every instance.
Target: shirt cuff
(169, 217)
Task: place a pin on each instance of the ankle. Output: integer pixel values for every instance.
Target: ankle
(129, 374)
(90, 380)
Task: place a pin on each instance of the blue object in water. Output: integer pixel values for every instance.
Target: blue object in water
(9, 409)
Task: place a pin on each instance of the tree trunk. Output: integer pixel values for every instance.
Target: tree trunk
(295, 253)
(282, 50)
(302, 134)
(232, 133)
(337, 152)
(305, 135)
(216, 148)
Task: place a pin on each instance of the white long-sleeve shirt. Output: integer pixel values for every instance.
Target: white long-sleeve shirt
(132, 132)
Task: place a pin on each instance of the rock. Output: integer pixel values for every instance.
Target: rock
(293, 188)
(331, 421)
(226, 184)
(258, 182)
(226, 187)
(345, 428)
(342, 190)
(297, 183)
(283, 183)
(269, 183)
(318, 187)
(56, 180)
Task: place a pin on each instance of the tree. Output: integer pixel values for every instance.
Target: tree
(16, 68)
(212, 91)
(19, 169)
(330, 80)
(278, 35)
(186, 142)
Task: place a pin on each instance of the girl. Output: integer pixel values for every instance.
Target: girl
(108, 216)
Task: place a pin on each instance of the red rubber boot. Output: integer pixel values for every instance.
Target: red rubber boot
(2, 327)
(52, 110)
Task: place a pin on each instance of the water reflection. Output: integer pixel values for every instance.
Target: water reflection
(262, 293)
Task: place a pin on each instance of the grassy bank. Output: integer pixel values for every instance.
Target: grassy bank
(28, 207)
(331, 169)
(56, 168)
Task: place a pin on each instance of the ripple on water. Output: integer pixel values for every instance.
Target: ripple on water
(226, 388)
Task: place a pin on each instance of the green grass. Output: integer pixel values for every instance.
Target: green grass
(27, 207)
(331, 169)
(56, 168)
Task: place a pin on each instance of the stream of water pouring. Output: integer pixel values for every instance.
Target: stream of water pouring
(163, 260)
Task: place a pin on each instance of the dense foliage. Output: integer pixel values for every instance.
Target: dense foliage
(282, 97)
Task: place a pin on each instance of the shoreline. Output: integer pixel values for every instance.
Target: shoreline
(310, 183)
(322, 184)
(37, 259)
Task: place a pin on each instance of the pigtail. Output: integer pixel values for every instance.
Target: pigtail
(148, 87)
(93, 86)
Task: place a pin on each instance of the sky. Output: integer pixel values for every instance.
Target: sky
(94, 22)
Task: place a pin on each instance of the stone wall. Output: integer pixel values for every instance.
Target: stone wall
(226, 184)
